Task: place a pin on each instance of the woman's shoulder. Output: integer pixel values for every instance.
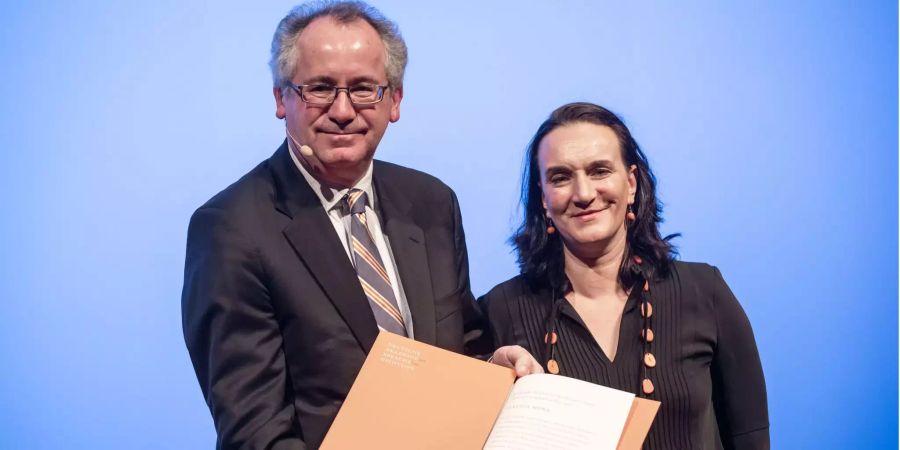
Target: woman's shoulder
(508, 290)
(691, 282)
(510, 296)
(694, 272)
(511, 305)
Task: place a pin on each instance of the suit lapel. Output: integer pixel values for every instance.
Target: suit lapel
(312, 236)
(407, 242)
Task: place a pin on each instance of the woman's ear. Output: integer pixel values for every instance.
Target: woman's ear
(632, 182)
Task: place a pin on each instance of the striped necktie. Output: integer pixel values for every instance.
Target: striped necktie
(369, 267)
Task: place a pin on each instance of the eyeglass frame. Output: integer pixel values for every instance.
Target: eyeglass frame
(298, 88)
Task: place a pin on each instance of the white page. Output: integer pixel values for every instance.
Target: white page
(546, 412)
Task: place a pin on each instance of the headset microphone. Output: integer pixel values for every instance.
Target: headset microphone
(305, 152)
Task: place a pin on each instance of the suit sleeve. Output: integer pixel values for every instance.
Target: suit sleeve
(739, 389)
(477, 340)
(233, 338)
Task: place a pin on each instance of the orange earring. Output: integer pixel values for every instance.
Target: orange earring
(630, 215)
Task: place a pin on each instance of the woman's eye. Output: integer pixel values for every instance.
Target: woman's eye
(556, 179)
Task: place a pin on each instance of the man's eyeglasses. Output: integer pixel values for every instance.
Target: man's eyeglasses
(324, 94)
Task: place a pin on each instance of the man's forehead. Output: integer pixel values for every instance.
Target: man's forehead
(326, 34)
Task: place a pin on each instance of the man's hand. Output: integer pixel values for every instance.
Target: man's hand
(516, 357)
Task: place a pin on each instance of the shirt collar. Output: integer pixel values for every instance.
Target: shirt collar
(330, 197)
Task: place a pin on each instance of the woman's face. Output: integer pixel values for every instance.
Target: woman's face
(586, 186)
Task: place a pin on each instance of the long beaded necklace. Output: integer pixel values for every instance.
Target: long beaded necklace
(648, 361)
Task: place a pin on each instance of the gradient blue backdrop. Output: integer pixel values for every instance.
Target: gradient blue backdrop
(772, 127)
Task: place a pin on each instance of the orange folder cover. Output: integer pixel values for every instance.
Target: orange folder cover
(410, 395)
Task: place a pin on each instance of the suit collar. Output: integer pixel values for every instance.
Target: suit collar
(329, 196)
(292, 193)
(311, 235)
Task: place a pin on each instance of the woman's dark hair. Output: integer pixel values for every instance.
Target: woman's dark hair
(540, 254)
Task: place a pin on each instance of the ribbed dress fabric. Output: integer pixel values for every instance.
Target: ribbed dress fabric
(707, 362)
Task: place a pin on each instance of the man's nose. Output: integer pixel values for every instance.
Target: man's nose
(341, 110)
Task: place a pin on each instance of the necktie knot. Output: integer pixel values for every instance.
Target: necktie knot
(356, 201)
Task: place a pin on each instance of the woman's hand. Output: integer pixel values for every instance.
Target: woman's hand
(516, 357)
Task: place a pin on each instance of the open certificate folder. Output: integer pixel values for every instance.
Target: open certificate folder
(411, 395)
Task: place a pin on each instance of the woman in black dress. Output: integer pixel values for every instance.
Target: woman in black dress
(601, 298)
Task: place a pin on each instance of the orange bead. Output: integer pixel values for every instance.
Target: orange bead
(646, 285)
(649, 360)
(552, 367)
(551, 229)
(648, 335)
(647, 386)
(630, 215)
(637, 260)
(552, 337)
(648, 311)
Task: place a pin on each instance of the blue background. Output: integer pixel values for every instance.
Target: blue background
(772, 127)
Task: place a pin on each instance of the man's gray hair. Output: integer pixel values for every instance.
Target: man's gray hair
(284, 59)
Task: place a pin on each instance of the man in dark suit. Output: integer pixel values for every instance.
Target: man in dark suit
(291, 271)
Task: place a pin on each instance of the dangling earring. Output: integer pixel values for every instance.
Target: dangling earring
(629, 215)
(550, 228)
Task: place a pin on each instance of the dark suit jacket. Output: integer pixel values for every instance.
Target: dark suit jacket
(274, 317)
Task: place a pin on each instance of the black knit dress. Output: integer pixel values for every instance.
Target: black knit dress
(708, 374)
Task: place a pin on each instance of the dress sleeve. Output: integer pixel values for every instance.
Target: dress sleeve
(495, 305)
(739, 388)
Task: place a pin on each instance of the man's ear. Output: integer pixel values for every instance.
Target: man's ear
(279, 102)
(396, 96)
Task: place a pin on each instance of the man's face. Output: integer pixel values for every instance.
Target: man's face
(343, 136)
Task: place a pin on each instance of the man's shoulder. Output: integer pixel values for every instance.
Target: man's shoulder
(403, 177)
(248, 192)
